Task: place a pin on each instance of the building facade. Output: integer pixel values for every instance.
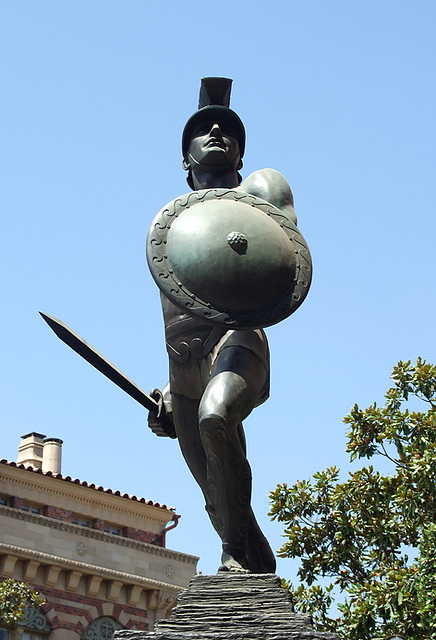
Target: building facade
(97, 557)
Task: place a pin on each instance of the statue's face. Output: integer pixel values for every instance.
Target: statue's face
(214, 145)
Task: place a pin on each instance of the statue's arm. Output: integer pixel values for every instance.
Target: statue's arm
(272, 186)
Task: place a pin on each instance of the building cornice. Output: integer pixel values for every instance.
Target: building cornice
(90, 495)
(96, 535)
(83, 483)
(85, 569)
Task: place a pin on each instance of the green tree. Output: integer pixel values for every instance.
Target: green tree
(358, 533)
(14, 598)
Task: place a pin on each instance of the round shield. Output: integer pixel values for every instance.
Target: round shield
(229, 258)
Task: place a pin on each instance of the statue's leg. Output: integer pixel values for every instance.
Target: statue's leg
(261, 558)
(185, 416)
(237, 379)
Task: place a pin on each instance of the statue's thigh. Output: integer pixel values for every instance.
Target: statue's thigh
(237, 379)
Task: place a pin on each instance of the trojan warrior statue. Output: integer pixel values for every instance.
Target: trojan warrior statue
(229, 261)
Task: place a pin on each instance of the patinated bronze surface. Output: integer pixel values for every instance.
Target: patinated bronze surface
(229, 261)
(227, 256)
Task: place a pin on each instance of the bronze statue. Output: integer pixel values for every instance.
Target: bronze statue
(229, 261)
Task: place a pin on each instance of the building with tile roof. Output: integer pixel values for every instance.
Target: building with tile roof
(97, 556)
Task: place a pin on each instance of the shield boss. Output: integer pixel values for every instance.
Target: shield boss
(230, 258)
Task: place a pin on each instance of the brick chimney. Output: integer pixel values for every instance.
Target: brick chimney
(30, 450)
(52, 455)
(39, 452)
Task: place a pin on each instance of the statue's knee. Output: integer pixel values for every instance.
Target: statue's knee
(214, 432)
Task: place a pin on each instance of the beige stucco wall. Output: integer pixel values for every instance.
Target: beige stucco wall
(96, 548)
(85, 573)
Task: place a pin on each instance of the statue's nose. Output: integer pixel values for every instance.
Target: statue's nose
(215, 130)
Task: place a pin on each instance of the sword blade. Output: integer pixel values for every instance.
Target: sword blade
(92, 356)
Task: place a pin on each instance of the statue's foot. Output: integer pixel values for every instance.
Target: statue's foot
(230, 563)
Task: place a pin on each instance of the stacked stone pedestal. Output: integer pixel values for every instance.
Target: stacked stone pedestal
(230, 606)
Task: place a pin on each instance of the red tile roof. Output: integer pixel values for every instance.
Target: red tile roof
(91, 485)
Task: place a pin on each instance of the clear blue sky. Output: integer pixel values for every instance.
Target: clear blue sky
(339, 96)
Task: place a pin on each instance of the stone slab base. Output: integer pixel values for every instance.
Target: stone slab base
(230, 606)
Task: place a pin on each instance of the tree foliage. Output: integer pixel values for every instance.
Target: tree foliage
(14, 598)
(359, 533)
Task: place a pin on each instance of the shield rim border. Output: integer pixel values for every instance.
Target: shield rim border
(194, 306)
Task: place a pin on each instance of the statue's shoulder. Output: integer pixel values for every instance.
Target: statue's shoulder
(272, 186)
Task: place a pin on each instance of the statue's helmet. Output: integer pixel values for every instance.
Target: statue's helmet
(213, 104)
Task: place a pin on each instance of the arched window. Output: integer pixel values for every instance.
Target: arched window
(36, 624)
(101, 629)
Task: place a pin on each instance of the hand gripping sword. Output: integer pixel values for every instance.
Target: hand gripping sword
(92, 356)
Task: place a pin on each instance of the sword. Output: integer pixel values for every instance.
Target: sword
(92, 356)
